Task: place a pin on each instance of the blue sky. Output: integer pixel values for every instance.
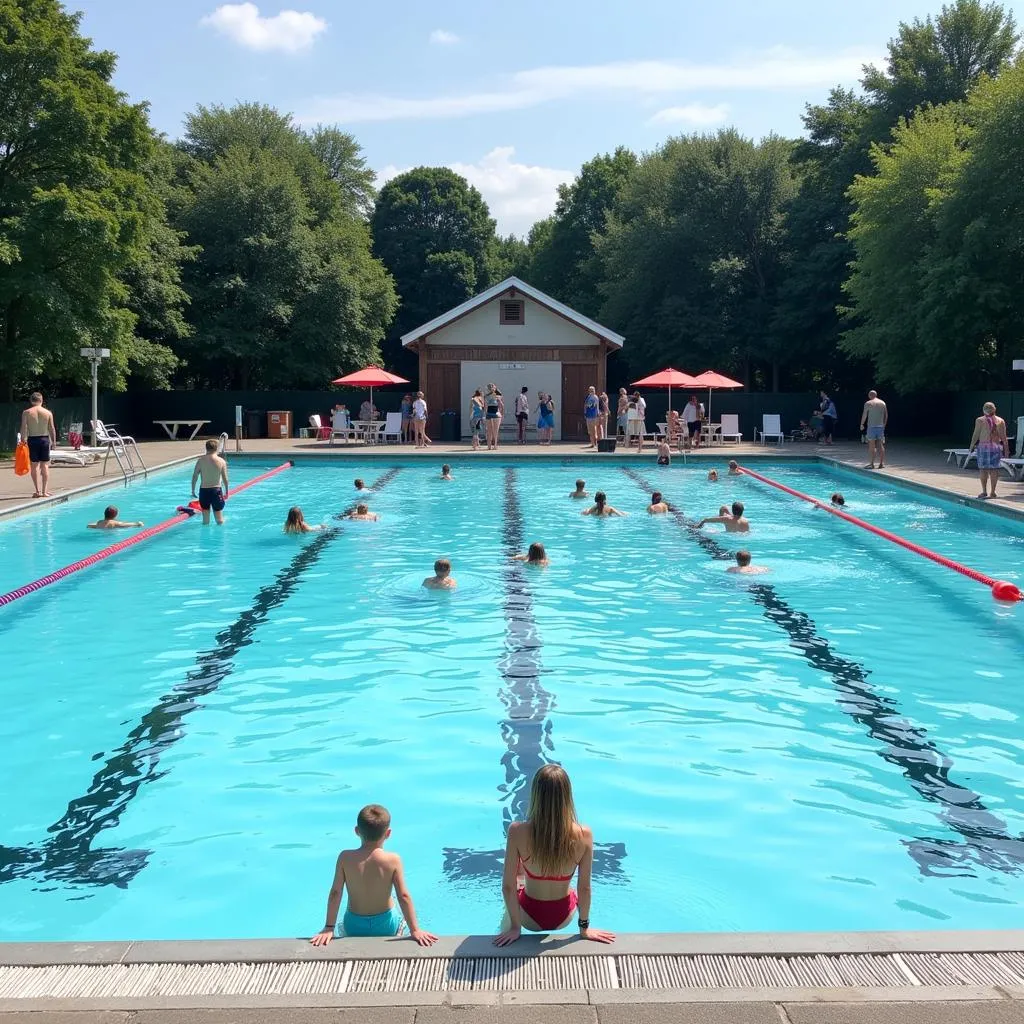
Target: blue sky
(515, 97)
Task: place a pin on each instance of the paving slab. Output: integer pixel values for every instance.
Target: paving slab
(70, 1017)
(508, 1015)
(993, 1012)
(374, 1015)
(690, 1013)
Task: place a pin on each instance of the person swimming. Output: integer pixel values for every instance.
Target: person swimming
(446, 472)
(535, 556)
(442, 578)
(713, 476)
(657, 505)
(601, 507)
(664, 454)
(838, 500)
(580, 491)
(743, 565)
(735, 522)
(734, 469)
(360, 486)
(362, 514)
(111, 522)
(296, 523)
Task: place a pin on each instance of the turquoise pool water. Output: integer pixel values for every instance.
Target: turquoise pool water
(190, 728)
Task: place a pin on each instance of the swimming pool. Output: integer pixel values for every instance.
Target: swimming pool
(193, 725)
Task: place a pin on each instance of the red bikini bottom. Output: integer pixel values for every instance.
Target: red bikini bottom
(549, 914)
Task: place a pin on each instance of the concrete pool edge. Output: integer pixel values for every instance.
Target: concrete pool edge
(831, 967)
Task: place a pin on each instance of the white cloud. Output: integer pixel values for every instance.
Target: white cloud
(518, 194)
(288, 31)
(441, 37)
(692, 113)
(770, 70)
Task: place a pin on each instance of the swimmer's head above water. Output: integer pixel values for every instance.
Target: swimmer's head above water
(838, 499)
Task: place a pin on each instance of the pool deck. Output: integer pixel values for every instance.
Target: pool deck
(792, 978)
(777, 978)
(921, 465)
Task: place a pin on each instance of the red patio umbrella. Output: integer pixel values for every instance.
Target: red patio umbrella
(668, 378)
(709, 379)
(370, 377)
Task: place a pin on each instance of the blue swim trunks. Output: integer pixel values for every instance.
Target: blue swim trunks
(368, 925)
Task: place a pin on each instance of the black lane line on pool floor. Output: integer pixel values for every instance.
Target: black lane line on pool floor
(68, 856)
(907, 746)
(526, 729)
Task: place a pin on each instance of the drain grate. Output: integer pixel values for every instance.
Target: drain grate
(511, 974)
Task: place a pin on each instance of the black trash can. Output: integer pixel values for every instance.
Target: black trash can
(450, 426)
(606, 444)
(255, 423)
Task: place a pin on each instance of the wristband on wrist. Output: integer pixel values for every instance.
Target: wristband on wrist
(584, 923)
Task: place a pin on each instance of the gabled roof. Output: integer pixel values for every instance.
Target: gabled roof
(616, 340)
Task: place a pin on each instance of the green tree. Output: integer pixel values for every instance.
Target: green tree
(565, 265)
(434, 233)
(76, 208)
(285, 291)
(695, 254)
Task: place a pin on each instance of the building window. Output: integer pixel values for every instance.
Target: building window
(512, 312)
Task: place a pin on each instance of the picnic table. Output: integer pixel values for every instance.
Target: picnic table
(171, 427)
(368, 430)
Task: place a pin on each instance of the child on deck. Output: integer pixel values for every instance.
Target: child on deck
(370, 875)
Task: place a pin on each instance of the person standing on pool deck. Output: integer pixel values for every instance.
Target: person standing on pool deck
(476, 418)
(541, 856)
(828, 417)
(494, 407)
(419, 420)
(39, 433)
(545, 418)
(406, 410)
(990, 443)
(522, 412)
(873, 421)
(691, 416)
(212, 471)
(622, 413)
(371, 875)
(603, 412)
(591, 412)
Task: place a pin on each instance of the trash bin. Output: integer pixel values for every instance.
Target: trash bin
(279, 423)
(450, 426)
(254, 423)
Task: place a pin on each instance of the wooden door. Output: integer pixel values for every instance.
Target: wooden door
(576, 379)
(442, 393)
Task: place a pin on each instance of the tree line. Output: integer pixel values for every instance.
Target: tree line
(887, 244)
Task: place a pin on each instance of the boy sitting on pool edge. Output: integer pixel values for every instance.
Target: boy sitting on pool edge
(370, 875)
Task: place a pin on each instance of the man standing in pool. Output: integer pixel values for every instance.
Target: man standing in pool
(736, 523)
(873, 421)
(212, 472)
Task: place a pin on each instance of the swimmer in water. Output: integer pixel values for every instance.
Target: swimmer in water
(743, 565)
(442, 578)
(535, 556)
(734, 523)
(601, 507)
(713, 476)
(657, 506)
(734, 469)
(295, 523)
(111, 522)
(664, 454)
(838, 500)
(446, 472)
(362, 514)
(360, 486)
(580, 491)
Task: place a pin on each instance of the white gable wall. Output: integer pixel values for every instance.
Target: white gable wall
(540, 328)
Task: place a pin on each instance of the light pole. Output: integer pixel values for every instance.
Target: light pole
(95, 357)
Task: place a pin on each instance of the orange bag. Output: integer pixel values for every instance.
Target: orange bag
(21, 463)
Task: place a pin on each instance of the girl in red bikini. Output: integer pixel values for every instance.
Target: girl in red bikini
(541, 856)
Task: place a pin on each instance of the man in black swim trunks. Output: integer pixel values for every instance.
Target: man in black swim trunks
(213, 471)
(39, 433)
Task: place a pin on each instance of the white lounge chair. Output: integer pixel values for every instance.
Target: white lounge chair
(1015, 467)
(962, 456)
(392, 428)
(109, 437)
(731, 429)
(71, 457)
(341, 426)
(771, 426)
(320, 432)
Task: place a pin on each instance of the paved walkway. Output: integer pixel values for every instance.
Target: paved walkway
(917, 463)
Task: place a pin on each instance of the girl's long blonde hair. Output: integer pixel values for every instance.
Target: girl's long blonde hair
(552, 817)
